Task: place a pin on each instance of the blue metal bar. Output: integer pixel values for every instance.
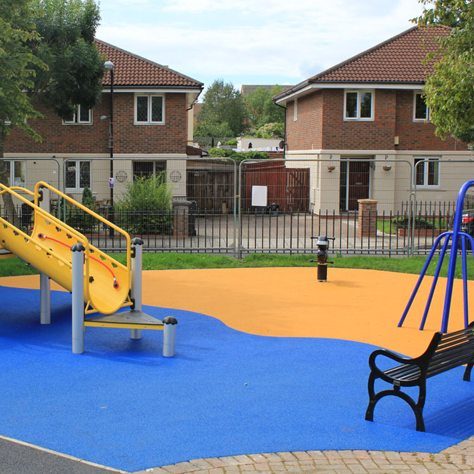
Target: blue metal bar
(422, 275)
(464, 280)
(435, 281)
(454, 252)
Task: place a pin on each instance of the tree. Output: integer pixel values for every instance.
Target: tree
(75, 68)
(271, 130)
(18, 68)
(47, 54)
(449, 90)
(223, 110)
(261, 109)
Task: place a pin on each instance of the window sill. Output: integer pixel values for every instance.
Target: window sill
(346, 119)
(76, 124)
(148, 123)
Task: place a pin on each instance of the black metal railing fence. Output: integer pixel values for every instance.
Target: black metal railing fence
(261, 231)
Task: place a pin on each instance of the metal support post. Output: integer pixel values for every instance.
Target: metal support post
(45, 299)
(45, 201)
(137, 255)
(169, 336)
(78, 298)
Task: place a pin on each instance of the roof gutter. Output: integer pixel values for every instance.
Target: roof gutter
(283, 99)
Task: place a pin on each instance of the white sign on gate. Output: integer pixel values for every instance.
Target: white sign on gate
(259, 195)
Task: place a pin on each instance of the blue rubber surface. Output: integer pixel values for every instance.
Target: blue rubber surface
(123, 405)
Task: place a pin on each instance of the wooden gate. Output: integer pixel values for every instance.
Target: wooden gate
(286, 187)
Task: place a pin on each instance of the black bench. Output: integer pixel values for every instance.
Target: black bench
(445, 352)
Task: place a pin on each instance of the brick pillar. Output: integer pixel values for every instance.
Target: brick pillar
(181, 219)
(367, 222)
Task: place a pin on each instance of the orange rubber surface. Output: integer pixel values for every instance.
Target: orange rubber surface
(356, 305)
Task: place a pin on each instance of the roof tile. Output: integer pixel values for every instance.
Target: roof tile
(133, 70)
(400, 59)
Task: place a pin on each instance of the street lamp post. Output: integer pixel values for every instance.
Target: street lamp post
(109, 66)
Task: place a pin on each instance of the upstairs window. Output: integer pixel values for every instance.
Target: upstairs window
(421, 112)
(149, 109)
(80, 116)
(427, 172)
(359, 105)
(78, 175)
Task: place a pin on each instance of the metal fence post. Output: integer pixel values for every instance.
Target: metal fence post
(239, 211)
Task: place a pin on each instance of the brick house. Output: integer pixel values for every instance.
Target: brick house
(152, 127)
(367, 109)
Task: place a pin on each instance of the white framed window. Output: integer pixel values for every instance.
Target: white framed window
(149, 109)
(77, 175)
(295, 110)
(359, 105)
(16, 172)
(427, 172)
(80, 116)
(421, 112)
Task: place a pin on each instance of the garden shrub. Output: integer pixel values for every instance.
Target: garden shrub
(237, 155)
(420, 223)
(79, 219)
(146, 206)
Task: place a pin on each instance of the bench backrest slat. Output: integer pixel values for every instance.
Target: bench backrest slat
(453, 349)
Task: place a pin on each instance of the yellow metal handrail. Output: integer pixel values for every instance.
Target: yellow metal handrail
(19, 189)
(44, 184)
(80, 237)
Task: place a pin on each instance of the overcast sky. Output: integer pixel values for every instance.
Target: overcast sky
(252, 41)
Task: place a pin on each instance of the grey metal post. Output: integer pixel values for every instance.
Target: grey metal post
(45, 201)
(137, 254)
(45, 299)
(169, 336)
(77, 298)
(234, 213)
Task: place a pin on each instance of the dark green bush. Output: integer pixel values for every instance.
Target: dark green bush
(420, 223)
(79, 219)
(237, 155)
(146, 206)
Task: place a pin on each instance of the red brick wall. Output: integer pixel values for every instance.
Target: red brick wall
(358, 135)
(393, 116)
(418, 135)
(128, 138)
(306, 132)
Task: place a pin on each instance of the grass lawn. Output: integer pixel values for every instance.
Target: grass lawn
(163, 261)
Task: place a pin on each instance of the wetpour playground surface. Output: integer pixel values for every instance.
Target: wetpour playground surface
(267, 360)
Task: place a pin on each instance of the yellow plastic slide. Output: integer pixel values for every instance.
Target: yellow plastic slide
(48, 249)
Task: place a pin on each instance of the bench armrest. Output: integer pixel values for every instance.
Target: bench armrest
(392, 356)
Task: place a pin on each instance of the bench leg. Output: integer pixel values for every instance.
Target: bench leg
(369, 414)
(467, 372)
(416, 407)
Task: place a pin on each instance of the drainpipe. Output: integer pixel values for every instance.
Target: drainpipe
(284, 131)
